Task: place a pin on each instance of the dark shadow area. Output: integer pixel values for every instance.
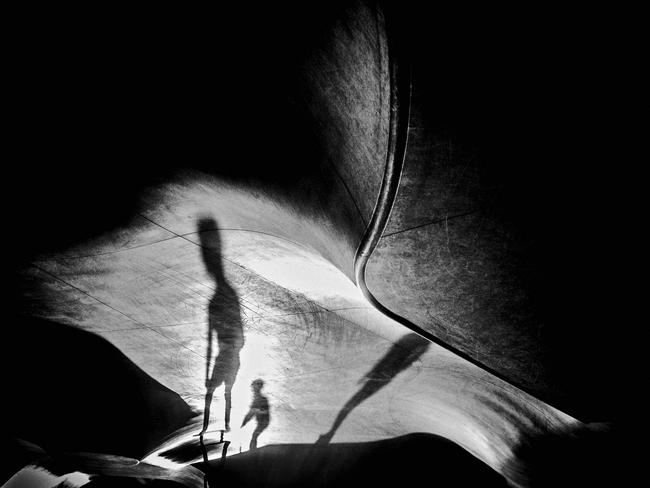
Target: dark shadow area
(598, 455)
(411, 460)
(192, 451)
(66, 389)
(107, 468)
(100, 117)
(16, 454)
(259, 410)
(398, 358)
(118, 482)
(224, 323)
(555, 170)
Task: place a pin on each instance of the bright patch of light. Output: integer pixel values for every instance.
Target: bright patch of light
(290, 266)
(77, 478)
(37, 477)
(157, 460)
(310, 275)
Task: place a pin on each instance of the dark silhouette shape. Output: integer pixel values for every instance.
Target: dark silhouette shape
(224, 321)
(86, 395)
(399, 357)
(192, 451)
(594, 454)
(260, 410)
(401, 461)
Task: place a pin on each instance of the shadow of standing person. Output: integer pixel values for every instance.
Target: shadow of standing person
(260, 410)
(398, 358)
(224, 321)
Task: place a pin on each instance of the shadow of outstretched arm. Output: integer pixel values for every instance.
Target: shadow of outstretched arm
(398, 358)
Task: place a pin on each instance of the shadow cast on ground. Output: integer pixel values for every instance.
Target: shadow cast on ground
(409, 460)
(399, 357)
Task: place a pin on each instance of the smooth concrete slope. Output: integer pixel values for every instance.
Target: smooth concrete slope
(347, 89)
(496, 231)
(334, 369)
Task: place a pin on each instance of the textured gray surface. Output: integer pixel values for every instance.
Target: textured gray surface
(441, 177)
(466, 289)
(485, 236)
(308, 332)
(348, 93)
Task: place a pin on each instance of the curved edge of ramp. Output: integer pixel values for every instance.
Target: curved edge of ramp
(400, 108)
(400, 101)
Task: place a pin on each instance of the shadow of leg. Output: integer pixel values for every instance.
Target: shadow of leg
(206, 412)
(228, 396)
(256, 433)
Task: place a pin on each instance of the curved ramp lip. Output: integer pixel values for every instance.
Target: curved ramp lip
(398, 129)
(400, 108)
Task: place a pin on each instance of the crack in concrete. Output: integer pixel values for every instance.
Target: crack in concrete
(445, 219)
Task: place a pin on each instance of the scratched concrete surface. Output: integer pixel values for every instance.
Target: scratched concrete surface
(145, 230)
(308, 332)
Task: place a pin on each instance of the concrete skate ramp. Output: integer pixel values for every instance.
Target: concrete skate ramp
(215, 255)
(335, 369)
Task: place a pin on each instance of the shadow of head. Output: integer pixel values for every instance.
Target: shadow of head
(206, 224)
(210, 241)
(257, 385)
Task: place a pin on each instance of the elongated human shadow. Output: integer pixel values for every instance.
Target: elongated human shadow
(398, 358)
(224, 322)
